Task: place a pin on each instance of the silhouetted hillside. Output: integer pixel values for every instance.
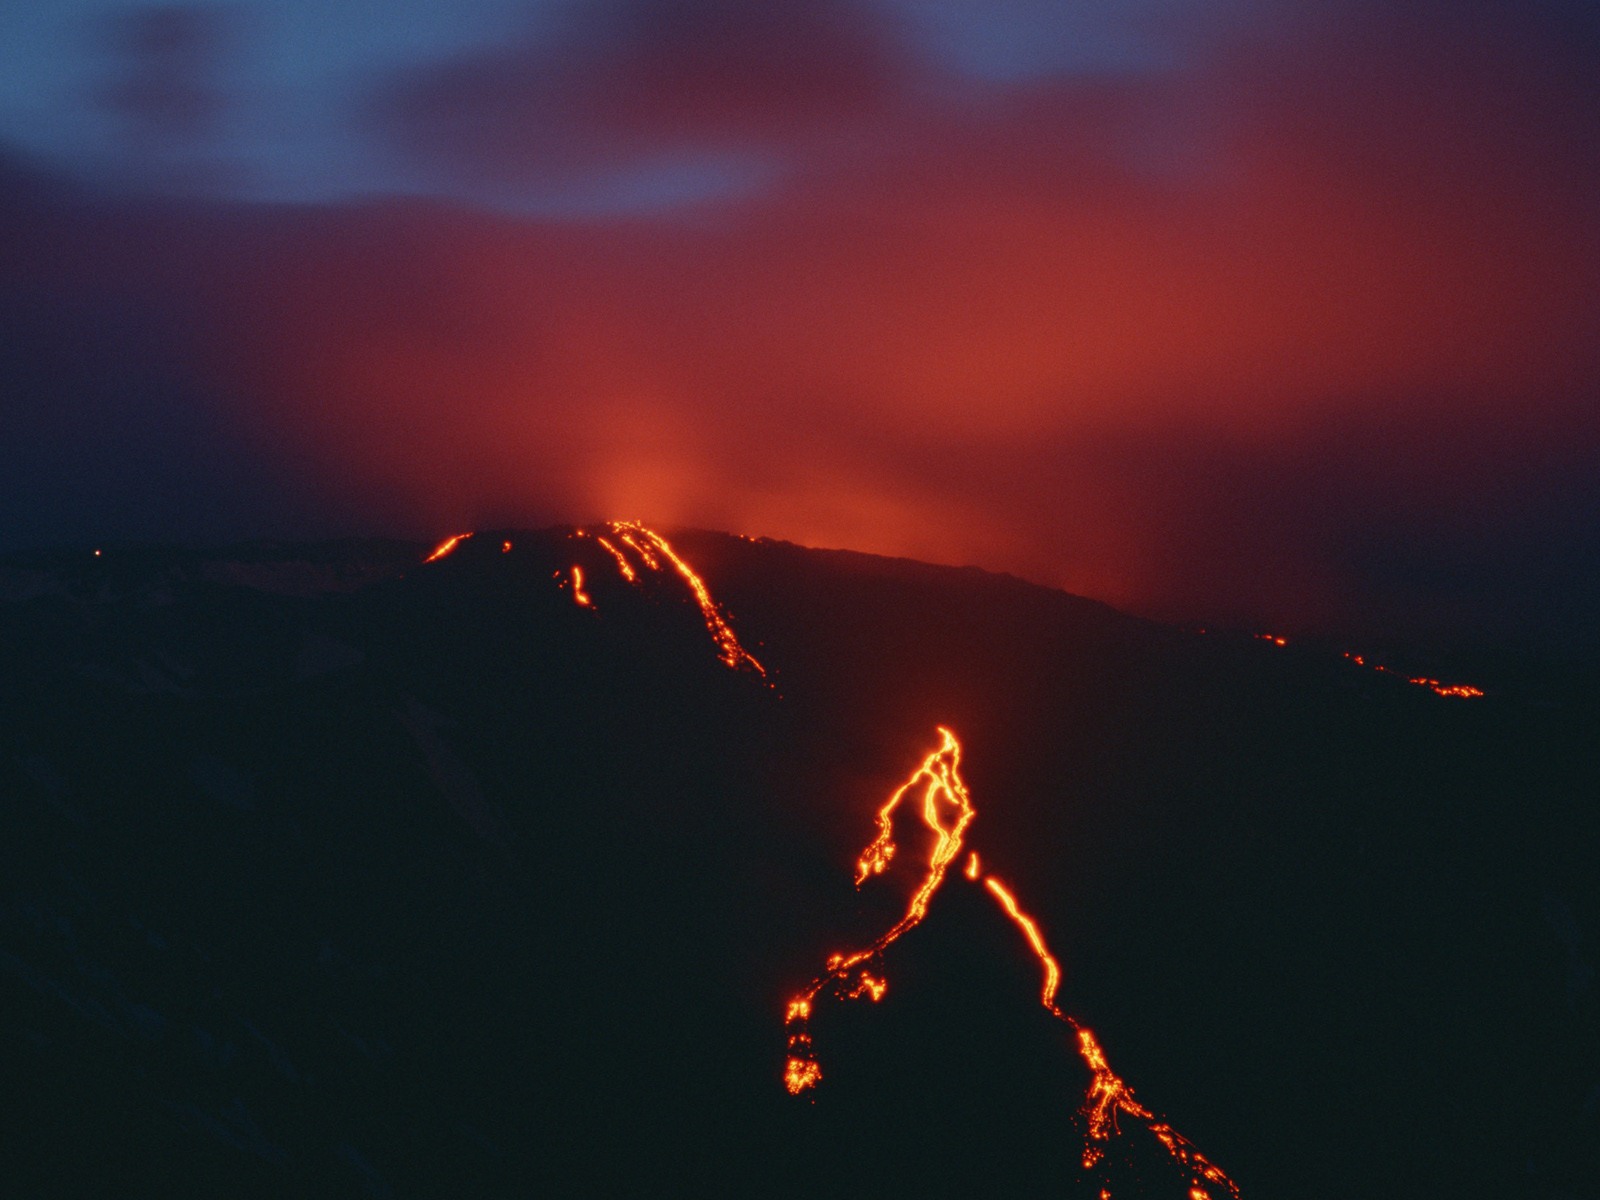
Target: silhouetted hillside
(330, 871)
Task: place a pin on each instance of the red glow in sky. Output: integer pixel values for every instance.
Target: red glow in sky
(1286, 317)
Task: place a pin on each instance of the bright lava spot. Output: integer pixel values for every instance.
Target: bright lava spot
(870, 986)
(505, 547)
(947, 811)
(800, 1074)
(578, 594)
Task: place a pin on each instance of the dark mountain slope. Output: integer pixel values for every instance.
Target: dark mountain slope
(326, 871)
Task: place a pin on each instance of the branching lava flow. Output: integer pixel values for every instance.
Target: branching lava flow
(947, 811)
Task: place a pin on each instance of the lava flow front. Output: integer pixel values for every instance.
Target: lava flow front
(947, 811)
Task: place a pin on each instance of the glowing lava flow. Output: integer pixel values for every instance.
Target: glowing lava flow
(444, 547)
(623, 564)
(653, 551)
(1108, 1094)
(654, 554)
(947, 810)
(847, 975)
(578, 594)
(1464, 691)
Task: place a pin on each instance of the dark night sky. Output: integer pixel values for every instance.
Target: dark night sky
(1288, 313)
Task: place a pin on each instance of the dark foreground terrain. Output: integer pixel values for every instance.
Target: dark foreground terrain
(325, 871)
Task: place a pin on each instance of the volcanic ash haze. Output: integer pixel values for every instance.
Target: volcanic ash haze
(1282, 314)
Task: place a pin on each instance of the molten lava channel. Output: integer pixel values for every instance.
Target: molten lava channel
(947, 810)
(445, 547)
(650, 552)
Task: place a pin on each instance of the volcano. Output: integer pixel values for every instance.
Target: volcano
(497, 868)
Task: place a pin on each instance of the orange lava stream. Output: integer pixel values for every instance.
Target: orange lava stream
(623, 564)
(653, 551)
(846, 975)
(729, 650)
(1030, 930)
(578, 594)
(444, 547)
(1463, 691)
(1108, 1095)
(947, 810)
(624, 530)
